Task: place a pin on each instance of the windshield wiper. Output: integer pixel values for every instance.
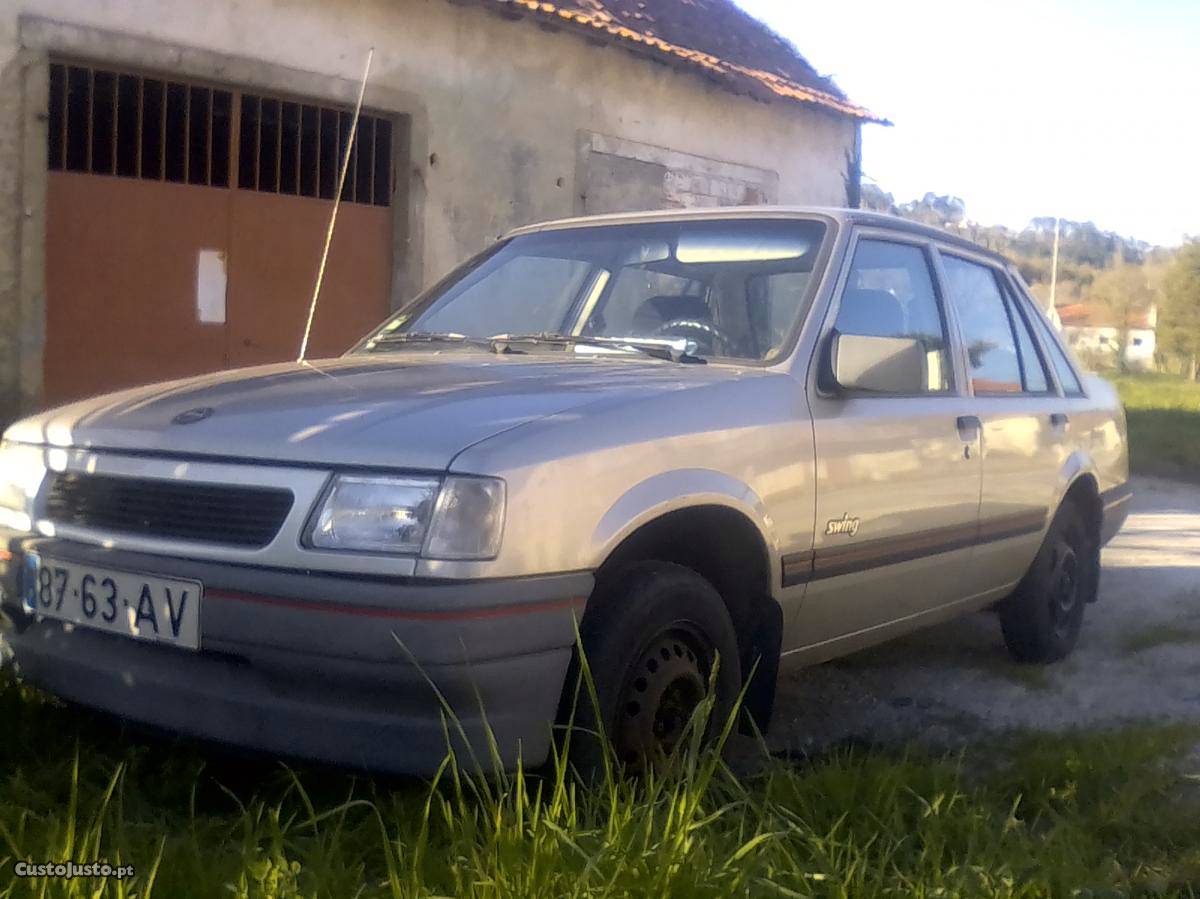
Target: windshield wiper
(672, 349)
(402, 337)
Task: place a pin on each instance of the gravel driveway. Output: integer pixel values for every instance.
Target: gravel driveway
(1137, 659)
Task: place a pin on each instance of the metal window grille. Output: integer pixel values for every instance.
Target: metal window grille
(110, 123)
(296, 148)
(116, 123)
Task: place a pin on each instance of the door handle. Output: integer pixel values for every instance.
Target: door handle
(1059, 419)
(969, 427)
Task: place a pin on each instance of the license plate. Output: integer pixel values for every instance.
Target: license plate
(142, 606)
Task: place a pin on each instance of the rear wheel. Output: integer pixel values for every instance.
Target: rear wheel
(1042, 618)
(652, 634)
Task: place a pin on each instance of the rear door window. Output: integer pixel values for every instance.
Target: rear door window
(1058, 358)
(1033, 368)
(993, 361)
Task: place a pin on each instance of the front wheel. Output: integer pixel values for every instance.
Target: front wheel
(652, 634)
(1042, 618)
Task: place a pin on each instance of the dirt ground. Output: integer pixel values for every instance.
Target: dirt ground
(1138, 658)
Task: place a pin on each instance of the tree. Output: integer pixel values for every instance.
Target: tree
(875, 199)
(1125, 292)
(1180, 326)
(933, 209)
(1086, 252)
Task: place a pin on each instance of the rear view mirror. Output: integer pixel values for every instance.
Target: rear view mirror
(877, 364)
(733, 248)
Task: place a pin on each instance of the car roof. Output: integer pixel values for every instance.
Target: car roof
(734, 213)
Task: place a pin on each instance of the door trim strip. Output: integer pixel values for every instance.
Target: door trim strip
(1005, 527)
(797, 568)
(809, 565)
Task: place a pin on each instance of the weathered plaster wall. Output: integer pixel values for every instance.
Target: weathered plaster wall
(10, 250)
(498, 107)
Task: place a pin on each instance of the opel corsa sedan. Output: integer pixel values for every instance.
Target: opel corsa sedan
(695, 441)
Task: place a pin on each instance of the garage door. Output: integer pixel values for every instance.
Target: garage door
(185, 223)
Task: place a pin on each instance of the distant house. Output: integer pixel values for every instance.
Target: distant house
(1093, 334)
(168, 168)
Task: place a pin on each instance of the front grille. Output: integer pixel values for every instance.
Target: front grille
(222, 514)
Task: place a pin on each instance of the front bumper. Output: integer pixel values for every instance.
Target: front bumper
(331, 667)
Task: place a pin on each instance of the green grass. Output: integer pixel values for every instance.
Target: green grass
(1164, 424)
(1160, 635)
(1031, 677)
(1078, 815)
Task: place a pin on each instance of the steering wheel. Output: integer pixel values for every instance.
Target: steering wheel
(704, 330)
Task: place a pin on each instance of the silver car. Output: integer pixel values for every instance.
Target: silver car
(692, 439)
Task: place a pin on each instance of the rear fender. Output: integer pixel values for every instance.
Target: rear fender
(1077, 465)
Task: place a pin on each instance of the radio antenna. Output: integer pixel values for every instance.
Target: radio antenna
(337, 201)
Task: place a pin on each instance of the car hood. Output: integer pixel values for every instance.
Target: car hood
(414, 410)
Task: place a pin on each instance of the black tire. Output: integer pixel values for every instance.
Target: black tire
(651, 635)
(1042, 618)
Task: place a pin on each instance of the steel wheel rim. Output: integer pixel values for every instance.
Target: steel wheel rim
(1064, 588)
(661, 692)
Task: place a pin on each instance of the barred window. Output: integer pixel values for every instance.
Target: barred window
(297, 148)
(109, 123)
(113, 123)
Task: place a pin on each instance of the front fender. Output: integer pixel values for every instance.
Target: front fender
(681, 489)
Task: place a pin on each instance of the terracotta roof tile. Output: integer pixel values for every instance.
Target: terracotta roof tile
(1087, 315)
(712, 36)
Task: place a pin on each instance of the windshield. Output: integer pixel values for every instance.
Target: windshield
(732, 289)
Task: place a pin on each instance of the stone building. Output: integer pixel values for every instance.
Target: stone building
(167, 167)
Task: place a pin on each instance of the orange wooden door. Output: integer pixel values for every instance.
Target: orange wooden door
(121, 257)
(276, 245)
(185, 224)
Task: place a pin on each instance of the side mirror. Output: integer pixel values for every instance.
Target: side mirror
(877, 364)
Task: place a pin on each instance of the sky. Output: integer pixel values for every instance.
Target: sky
(1084, 109)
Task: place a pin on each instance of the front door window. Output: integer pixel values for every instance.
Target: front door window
(889, 293)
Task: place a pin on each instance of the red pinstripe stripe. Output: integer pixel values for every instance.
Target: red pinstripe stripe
(552, 605)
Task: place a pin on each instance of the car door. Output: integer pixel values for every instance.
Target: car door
(897, 473)
(1025, 426)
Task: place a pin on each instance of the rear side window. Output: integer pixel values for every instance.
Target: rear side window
(1033, 368)
(1058, 358)
(995, 365)
(890, 294)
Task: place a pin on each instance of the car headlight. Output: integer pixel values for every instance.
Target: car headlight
(376, 514)
(458, 518)
(469, 519)
(22, 470)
